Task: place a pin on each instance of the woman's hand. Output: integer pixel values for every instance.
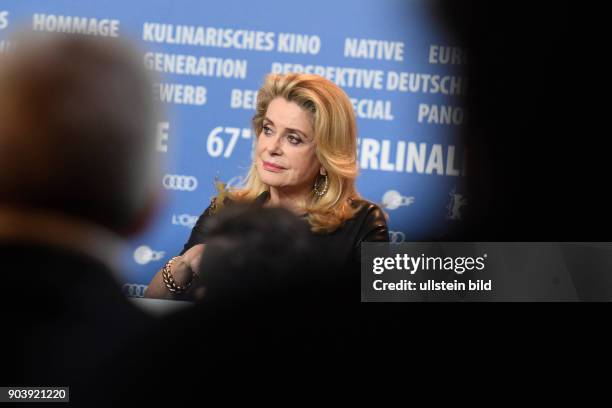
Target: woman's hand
(182, 272)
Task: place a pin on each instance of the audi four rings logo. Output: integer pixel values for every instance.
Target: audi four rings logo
(134, 290)
(180, 182)
(396, 236)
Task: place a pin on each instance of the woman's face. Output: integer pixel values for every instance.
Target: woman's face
(285, 152)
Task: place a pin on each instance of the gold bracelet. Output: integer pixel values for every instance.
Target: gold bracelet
(169, 279)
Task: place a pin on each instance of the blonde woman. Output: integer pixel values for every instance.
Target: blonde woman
(306, 161)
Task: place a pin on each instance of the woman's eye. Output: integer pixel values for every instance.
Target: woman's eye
(294, 139)
(267, 130)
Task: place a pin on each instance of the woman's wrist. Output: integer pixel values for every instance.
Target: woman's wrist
(177, 275)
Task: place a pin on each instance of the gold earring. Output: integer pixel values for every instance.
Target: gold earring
(321, 192)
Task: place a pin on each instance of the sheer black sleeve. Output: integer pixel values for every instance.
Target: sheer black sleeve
(198, 232)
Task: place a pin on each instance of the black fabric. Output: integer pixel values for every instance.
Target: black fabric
(257, 349)
(64, 316)
(341, 248)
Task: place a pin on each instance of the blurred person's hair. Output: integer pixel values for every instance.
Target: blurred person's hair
(255, 253)
(76, 128)
(335, 136)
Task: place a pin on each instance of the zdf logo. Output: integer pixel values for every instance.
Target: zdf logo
(180, 182)
(143, 255)
(392, 200)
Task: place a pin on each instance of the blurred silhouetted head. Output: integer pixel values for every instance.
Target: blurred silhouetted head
(255, 253)
(76, 120)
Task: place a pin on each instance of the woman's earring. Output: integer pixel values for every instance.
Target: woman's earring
(320, 192)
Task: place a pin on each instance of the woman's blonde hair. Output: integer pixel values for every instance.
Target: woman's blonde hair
(335, 137)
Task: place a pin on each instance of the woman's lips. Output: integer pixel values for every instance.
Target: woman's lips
(272, 167)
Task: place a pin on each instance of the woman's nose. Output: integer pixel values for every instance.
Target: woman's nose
(275, 145)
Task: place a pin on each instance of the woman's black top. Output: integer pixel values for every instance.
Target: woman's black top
(341, 246)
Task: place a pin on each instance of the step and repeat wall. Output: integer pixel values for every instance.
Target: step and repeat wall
(402, 69)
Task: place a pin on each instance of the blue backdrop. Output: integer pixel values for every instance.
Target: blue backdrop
(401, 67)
